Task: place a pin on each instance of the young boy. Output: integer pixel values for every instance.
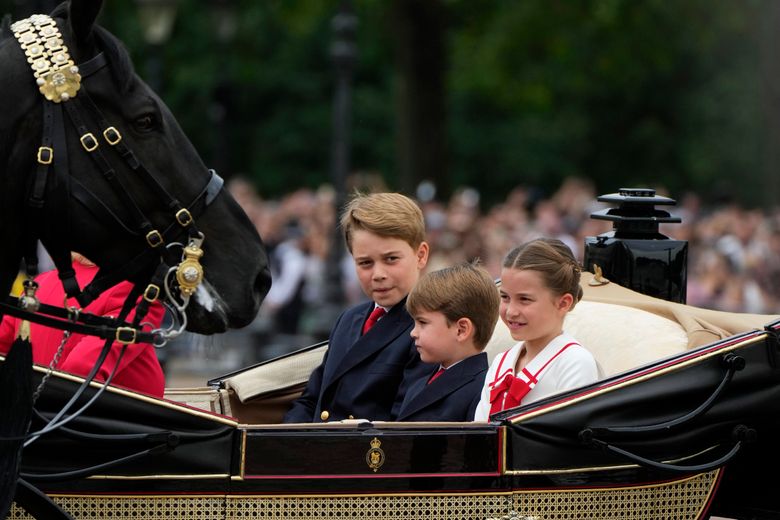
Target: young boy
(370, 357)
(455, 311)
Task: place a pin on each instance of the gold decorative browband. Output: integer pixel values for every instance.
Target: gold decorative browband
(55, 73)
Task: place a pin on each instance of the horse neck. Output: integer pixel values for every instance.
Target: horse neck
(8, 274)
(10, 259)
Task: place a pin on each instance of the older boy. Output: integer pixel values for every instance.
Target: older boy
(370, 355)
(455, 311)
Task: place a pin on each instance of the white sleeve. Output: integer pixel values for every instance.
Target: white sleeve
(483, 408)
(576, 367)
(482, 413)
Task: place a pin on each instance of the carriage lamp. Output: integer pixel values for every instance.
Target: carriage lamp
(156, 18)
(634, 254)
(223, 13)
(343, 53)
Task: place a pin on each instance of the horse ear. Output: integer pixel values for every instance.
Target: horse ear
(5, 27)
(82, 15)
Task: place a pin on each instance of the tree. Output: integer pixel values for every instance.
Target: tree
(492, 94)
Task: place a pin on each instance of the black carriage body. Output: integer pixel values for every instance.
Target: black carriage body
(532, 461)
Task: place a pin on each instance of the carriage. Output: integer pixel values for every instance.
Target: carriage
(678, 428)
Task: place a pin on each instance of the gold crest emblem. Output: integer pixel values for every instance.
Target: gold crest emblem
(375, 457)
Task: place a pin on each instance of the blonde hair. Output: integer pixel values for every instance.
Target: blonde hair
(553, 260)
(461, 291)
(385, 214)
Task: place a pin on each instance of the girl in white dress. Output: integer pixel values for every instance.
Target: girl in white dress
(540, 283)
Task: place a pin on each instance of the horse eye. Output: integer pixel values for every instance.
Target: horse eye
(146, 122)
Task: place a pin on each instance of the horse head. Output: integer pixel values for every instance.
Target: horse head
(103, 206)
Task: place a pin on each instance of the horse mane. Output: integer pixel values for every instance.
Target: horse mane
(5, 32)
(117, 56)
(5, 26)
(5, 29)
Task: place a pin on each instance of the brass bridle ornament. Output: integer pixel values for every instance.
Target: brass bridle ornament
(59, 80)
(55, 73)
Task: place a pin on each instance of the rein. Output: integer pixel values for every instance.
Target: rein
(175, 278)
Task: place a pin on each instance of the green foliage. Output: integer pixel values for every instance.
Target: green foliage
(625, 92)
(271, 76)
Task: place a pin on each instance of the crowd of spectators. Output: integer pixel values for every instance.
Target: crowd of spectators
(732, 266)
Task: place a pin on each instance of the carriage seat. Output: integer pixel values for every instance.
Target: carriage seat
(619, 337)
(622, 329)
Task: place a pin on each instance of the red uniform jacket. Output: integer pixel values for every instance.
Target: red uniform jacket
(139, 369)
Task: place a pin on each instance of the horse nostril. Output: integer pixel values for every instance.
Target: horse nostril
(262, 283)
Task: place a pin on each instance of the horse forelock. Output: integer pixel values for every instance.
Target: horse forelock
(118, 58)
(61, 11)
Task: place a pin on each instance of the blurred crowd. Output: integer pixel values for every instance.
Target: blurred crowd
(733, 260)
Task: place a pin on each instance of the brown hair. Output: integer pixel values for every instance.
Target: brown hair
(553, 260)
(461, 291)
(385, 214)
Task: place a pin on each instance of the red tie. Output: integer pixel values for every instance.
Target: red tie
(434, 376)
(377, 313)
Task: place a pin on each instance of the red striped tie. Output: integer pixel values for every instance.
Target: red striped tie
(377, 313)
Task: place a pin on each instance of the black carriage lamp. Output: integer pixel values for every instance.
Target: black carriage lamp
(343, 54)
(156, 18)
(225, 20)
(635, 254)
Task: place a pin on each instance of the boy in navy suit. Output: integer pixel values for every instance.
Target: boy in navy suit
(370, 358)
(455, 311)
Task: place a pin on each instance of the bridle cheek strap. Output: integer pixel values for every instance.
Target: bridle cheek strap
(104, 280)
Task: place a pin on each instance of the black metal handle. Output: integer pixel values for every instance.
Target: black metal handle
(742, 433)
(37, 504)
(91, 470)
(733, 364)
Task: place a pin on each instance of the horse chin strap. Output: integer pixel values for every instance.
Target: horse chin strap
(59, 80)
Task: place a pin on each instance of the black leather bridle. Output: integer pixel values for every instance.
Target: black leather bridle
(172, 275)
(170, 270)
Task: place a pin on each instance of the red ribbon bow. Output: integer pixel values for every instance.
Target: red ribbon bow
(511, 390)
(508, 393)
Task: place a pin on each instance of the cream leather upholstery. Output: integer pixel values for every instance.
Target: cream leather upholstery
(623, 329)
(620, 338)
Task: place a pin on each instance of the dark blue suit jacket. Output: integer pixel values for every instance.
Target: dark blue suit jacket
(453, 396)
(363, 376)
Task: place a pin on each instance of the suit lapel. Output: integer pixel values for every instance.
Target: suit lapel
(415, 393)
(386, 330)
(348, 333)
(452, 379)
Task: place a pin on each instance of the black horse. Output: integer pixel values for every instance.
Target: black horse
(234, 261)
(106, 170)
